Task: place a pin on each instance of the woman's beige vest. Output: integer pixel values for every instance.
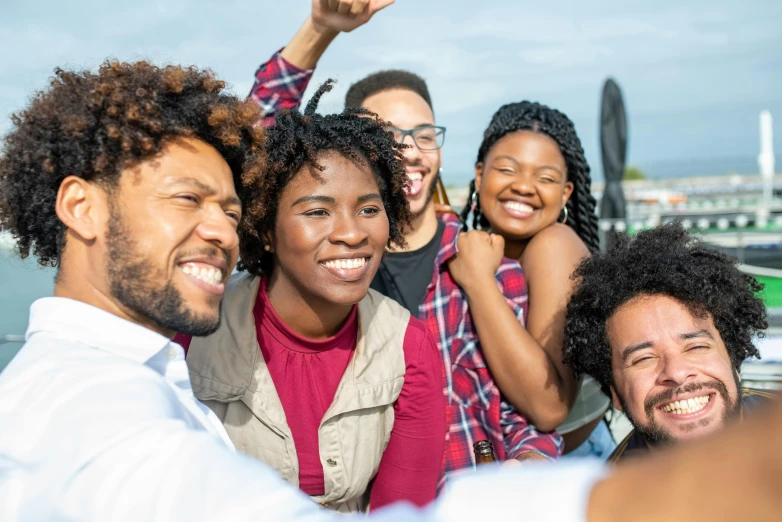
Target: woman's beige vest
(230, 376)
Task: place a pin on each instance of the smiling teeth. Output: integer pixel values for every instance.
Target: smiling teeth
(515, 205)
(349, 264)
(213, 276)
(687, 405)
(414, 176)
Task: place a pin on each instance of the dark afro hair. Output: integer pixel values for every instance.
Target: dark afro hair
(298, 140)
(385, 81)
(94, 125)
(661, 261)
(539, 118)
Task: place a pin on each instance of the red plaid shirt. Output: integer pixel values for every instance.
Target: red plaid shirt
(279, 85)
(476, 408)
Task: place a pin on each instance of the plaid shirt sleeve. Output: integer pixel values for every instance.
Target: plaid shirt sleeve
(521, 436)
(513, 286)
(279, 85)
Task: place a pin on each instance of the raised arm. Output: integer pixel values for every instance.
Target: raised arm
(526, 362)
(281, 81)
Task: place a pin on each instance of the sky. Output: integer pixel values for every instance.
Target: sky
(694, 75)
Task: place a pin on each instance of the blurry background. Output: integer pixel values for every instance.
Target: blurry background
(694, 79)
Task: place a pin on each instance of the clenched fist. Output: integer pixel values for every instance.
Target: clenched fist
(345, 15)
(479, 257)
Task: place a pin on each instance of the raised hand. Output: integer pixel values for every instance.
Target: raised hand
(345, 15)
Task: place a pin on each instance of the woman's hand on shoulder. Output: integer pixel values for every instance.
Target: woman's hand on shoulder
(479, 258)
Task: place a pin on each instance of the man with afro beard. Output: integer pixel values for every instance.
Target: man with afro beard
(663, 323)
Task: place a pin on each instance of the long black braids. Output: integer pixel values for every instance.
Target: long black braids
(299, 139)
(540, 118)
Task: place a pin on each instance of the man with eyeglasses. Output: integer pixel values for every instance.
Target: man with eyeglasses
(417, 276)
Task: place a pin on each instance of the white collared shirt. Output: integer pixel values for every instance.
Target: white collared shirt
(98, 422)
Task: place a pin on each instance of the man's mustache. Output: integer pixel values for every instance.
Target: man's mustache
(668, 395)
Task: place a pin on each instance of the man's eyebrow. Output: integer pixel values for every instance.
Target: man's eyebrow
(209, 191)
(368, 197)
(627, 352)
(698, 333)
(323, 199)
(186, 180)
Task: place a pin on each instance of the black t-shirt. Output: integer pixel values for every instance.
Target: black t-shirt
(404, 276)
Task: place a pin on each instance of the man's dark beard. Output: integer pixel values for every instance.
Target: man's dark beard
(429, 196)
(656, 435)
(133, 283)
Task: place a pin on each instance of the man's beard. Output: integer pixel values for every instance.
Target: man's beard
(429, 196)
(656, 435)
(138, 285)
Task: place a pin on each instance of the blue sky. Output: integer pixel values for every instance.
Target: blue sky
(695, 75)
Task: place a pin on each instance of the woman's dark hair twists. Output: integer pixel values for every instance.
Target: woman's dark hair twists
(539, 118)
(661, 261)
(297, 140)
(94, 125)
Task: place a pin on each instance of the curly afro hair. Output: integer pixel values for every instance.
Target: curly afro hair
(296, 141)
(385, 81)
(94, 125)
(540, 118)
(662, 261)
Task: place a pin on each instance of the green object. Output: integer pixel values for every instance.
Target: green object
(772, 293)
(633, 174)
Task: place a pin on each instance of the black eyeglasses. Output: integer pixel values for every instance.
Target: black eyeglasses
(425, 137)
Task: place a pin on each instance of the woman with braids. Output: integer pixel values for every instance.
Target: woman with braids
(532, 192)
(311, 372)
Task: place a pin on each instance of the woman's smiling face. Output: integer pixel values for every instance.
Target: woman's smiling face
(523, 184)
(331, 231)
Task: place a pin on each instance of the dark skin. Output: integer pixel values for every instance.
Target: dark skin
(324, 219)
(523, 186)
(179, 209)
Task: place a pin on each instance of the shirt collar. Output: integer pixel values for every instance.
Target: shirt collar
(448, 248)
(86, 324)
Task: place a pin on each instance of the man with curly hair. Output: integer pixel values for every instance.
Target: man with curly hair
(129, 182)
(663, 323)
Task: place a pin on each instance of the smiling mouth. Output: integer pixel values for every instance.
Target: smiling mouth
(516, 207)
(203, 272)
(347, 269)
(415, 184)
(687, 406)
(346, 264)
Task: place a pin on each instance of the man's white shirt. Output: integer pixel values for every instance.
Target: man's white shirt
(98, 422)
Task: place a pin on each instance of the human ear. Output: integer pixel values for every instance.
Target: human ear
(478, 176)
(78, 206)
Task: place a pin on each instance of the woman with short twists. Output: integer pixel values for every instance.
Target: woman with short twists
(327, 381)
(532, 192)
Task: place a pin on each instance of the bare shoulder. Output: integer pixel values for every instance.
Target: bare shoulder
(557, 245)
